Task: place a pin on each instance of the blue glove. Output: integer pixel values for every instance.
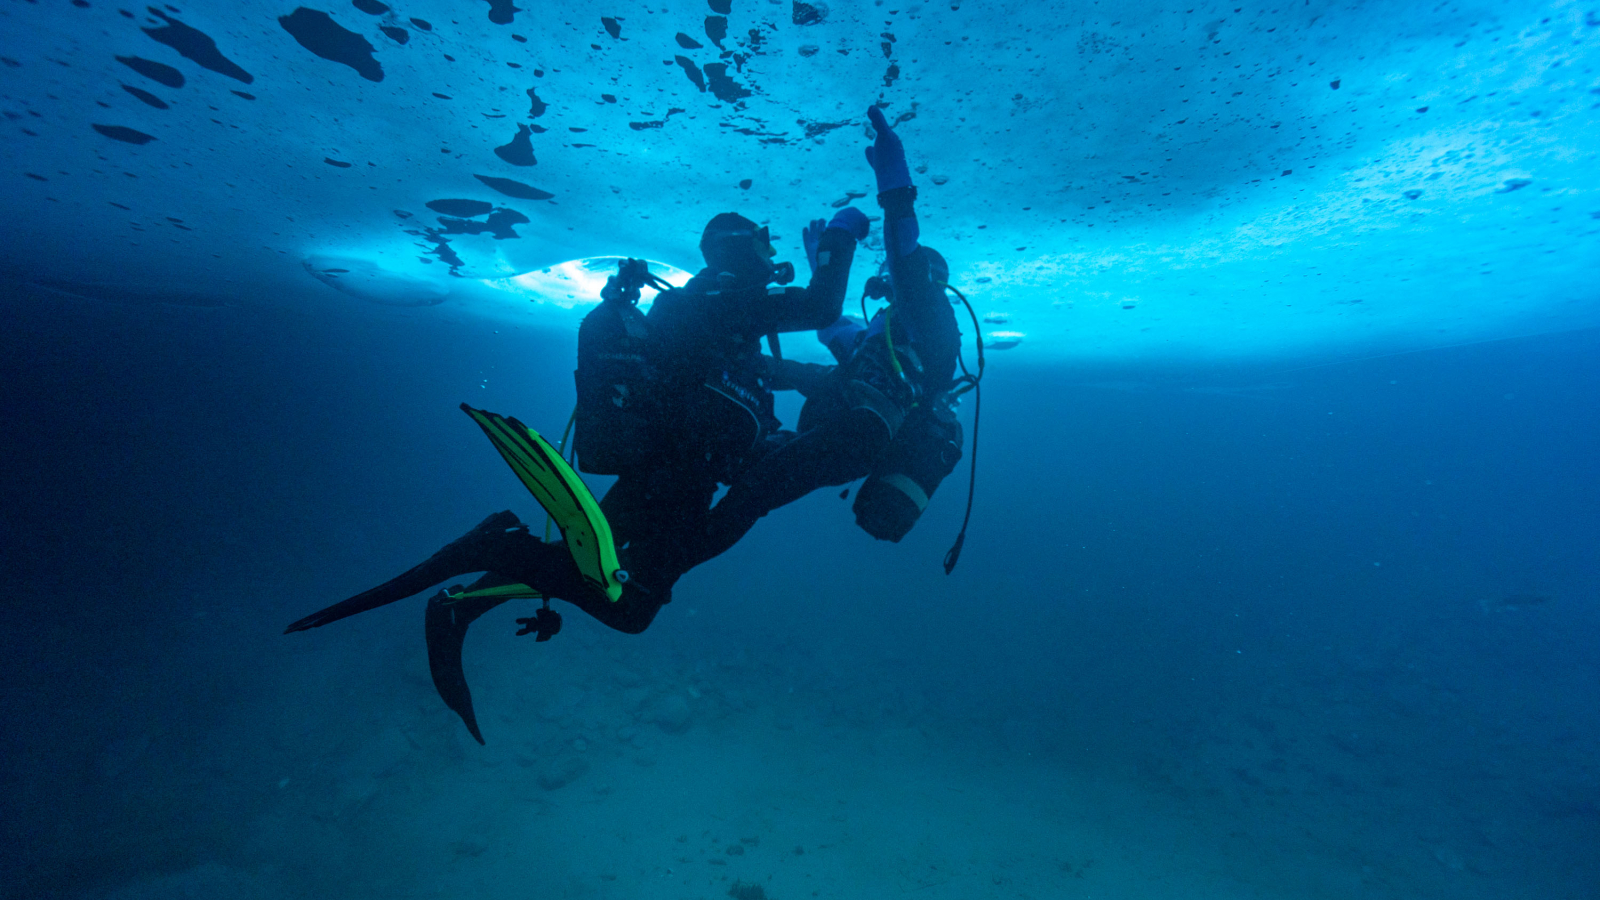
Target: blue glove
(852, 220)
(811, 236)
(887, 156)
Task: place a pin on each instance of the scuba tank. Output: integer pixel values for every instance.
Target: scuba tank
(924, 435)
(617, 418)
(922, 454)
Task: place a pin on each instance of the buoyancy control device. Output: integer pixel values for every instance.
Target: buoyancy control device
(618, 413)
(926, 446)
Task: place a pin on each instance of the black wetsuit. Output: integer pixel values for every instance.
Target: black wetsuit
(717, 404)
(842, 433)
(705, 342)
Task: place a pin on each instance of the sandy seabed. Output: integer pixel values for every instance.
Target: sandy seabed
(610, 774)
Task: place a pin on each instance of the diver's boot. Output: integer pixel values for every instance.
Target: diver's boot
(476, 551)
(448, 616)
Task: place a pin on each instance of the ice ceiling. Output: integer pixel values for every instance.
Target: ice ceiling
(1107, 179)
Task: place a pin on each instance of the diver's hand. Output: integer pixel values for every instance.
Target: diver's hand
(852, 220)
(810, 237)
(887, 156)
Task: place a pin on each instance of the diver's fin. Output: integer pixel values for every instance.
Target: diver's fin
(445, 623)
(562, 494)
(459, 557)
(502, 592)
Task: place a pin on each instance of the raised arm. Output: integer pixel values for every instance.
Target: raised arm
(820, 303)
(917, 272)
(887, 156)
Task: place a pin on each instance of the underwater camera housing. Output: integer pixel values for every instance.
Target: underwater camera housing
(923, 453)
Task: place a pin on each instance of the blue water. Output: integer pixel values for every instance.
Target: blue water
(1233, 632)
(1283, 577)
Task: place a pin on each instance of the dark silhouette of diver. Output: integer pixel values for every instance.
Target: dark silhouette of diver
(690, 407)
(884, 413)
(679, 401)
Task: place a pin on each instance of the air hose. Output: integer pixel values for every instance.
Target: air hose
(967, 382)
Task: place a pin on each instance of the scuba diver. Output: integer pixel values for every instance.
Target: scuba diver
(673, 403)
(886, 411)
(680, 400)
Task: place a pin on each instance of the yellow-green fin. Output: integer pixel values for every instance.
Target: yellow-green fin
(502, 592)
(562, 494)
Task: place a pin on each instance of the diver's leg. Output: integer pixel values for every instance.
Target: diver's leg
(502, 545)
(835, 453)
(627, 506)
(631, 614)
(656, 509)
(637, 508)
(451, 613)
(646, 505)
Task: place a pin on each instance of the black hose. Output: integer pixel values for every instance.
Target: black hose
(953, 556)
(974, 384)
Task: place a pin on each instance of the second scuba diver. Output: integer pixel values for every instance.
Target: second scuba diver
(885, 412)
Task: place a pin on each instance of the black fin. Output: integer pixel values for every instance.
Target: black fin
(445, 624)
(464, 554)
